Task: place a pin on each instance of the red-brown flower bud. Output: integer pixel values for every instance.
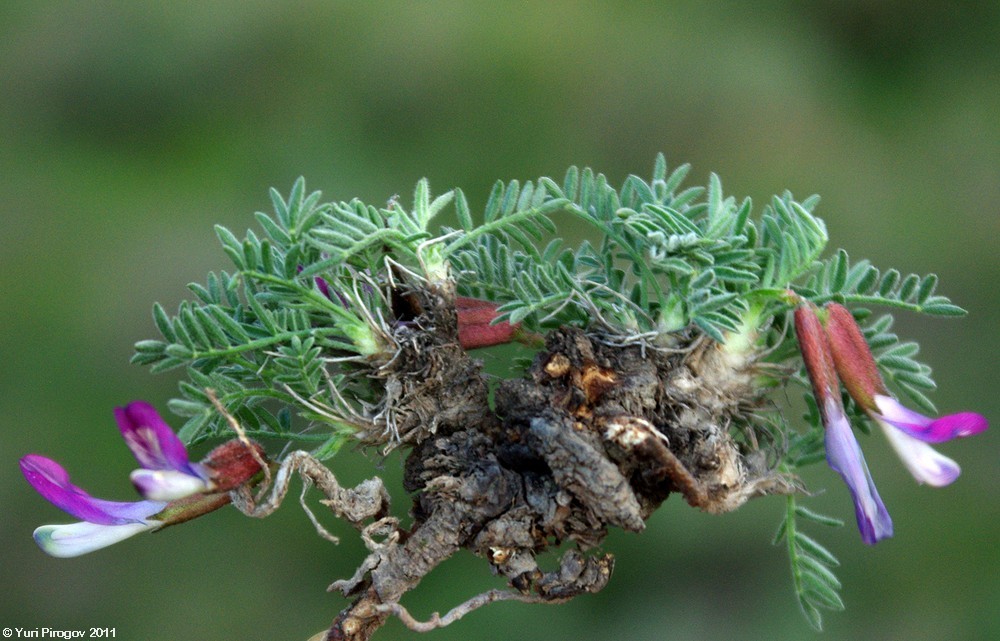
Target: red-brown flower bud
(816, 354)
(233, 464)
(853, 357)
(474, 324)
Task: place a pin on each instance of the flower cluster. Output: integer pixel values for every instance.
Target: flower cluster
(835, 351)
(174, 489)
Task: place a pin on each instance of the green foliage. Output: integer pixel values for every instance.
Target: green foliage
(816, 586)
(665, 258)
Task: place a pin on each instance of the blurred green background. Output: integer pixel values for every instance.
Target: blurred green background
(128, 129)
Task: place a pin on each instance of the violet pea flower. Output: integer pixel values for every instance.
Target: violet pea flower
(843, 454)
(104, 522)
(907, 431)
(176, 490)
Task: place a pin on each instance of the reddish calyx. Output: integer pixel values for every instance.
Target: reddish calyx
(476, 327)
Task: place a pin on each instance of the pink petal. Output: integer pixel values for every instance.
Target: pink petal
(927, 429)
(51, 481)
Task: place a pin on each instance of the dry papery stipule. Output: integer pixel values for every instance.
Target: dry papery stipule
(598, 433)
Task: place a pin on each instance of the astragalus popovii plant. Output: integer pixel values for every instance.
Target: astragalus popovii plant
(658, 343)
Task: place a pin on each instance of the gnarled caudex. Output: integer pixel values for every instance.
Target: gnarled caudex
(597, 434)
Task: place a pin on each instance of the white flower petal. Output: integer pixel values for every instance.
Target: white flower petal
(926, 464)
(74, 539)
(167, 485)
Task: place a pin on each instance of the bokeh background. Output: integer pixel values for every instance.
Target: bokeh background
(128, 129)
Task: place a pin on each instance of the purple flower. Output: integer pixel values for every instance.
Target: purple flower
(908, 432)
(926, 429)
(104, 522)
(324, 288)
(166, 473)
(843, 453)
(175, 489)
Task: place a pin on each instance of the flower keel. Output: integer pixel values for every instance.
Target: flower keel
(75, 539)
(927, 465)
(924, 428)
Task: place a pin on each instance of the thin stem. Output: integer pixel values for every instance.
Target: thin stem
(793, 553)
(504, 221)
(261, 343)
(456, 613)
